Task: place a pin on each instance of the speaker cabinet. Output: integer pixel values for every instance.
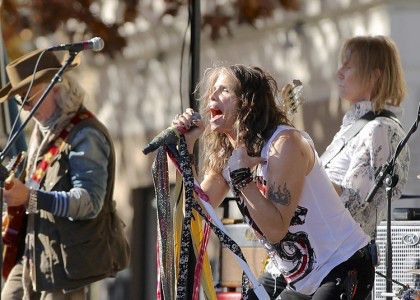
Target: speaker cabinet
(255, 254)
(405, 238)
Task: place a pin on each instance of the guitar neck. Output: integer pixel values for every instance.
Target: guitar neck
(12, 168)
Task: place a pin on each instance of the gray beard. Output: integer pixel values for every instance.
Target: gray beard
(49, 125)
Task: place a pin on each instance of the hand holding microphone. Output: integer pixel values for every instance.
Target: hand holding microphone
(189, 124)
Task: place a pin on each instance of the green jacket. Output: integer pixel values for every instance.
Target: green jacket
(69, 254)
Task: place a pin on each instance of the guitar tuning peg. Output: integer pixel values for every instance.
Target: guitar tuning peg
(292, 97)
(297, 82)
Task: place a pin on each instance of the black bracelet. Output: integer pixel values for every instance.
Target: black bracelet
(240, 174)
(243, 183)
(240, 178)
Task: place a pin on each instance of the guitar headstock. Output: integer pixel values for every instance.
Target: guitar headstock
(292, 96)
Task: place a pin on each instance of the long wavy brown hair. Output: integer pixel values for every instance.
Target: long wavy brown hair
(258, 113)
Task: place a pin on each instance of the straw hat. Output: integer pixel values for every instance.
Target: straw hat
(20, 72)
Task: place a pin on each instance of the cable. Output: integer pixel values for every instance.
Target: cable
(182, 57)
(5, 111)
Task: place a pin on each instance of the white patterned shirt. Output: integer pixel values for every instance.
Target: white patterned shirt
(355, 166)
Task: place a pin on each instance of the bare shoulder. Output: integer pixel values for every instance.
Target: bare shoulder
(290, 141)
(291, 147)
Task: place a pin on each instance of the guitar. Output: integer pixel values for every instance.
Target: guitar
(292, 97)
(13, 221)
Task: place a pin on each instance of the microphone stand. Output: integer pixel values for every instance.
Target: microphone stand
(3, 170)
(387, 175)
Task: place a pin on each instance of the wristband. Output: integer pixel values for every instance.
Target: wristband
(32, 207)
(240, 178)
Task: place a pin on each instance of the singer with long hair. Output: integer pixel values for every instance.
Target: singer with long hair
(72, 236)
(250, 146)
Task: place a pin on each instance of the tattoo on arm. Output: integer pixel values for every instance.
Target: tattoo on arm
(281, 196)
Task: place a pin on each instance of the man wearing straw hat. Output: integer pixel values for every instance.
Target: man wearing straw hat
(73, 235)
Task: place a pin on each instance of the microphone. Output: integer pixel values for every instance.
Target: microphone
(96, 44)
(169, 136)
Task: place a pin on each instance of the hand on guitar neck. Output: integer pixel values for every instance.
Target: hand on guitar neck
(12, 167)
(15, 192)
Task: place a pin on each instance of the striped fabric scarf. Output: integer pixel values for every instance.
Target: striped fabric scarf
(165, 281)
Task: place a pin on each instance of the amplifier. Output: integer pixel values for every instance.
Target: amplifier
(407, 208)
(254, 252)
(405, 238)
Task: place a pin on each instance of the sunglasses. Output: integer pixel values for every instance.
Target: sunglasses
(19, 100)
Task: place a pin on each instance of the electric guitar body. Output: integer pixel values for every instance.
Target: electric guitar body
(14, 223)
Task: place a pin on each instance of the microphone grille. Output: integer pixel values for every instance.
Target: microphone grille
(97, 43)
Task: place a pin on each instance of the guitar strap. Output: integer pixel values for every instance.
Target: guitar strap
(56, 147)
(351, 132)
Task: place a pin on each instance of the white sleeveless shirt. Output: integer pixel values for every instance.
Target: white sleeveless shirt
(322, 234)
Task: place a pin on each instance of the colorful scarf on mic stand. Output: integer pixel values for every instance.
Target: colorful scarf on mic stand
(191, 224)
(173, 252)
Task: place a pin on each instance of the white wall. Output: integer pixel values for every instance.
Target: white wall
(138, 94)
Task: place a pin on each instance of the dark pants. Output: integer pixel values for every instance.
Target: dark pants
(13, 289)
(352, 279)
